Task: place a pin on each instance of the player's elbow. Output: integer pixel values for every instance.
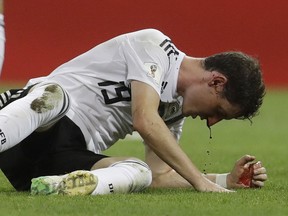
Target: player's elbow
(139, 123)
(143, 123)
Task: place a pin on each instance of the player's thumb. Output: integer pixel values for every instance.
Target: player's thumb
(245, 159)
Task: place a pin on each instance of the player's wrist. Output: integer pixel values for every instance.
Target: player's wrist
(221, 179)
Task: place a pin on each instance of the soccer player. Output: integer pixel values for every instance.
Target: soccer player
(2, 34)
(54, 129)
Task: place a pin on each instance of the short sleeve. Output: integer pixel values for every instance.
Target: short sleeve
(146, 60)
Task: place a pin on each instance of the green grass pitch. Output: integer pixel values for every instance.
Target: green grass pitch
(265, 138)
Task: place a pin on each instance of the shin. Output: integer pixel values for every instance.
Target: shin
(123, 177)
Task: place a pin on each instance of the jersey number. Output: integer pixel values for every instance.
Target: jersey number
(123, 93)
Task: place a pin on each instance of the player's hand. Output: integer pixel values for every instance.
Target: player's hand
(259, 175)
(205, 185)
(243, 176)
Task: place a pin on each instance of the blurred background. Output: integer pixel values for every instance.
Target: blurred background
(41, 35)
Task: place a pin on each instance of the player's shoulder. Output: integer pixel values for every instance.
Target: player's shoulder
(152, 32)
(151, 35)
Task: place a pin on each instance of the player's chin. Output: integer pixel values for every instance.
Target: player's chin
(189, 113)
(193, 115)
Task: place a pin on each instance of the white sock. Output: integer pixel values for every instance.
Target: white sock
(41, 107)
(123, 177)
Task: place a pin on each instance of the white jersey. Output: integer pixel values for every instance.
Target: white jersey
(98, 85)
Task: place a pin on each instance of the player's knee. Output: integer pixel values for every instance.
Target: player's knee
(51, 96)
(142, 172)
(133, 162)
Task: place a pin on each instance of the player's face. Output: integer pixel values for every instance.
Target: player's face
(204, 102)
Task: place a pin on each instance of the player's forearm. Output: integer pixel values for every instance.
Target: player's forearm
(161, 141)
(170, 179)
(211, 177)
(163, 176)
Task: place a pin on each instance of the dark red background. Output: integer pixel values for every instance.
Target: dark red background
(41, 34)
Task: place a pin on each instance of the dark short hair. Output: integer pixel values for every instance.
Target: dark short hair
(245, 86)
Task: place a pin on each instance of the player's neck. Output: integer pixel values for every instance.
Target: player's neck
(190, 72)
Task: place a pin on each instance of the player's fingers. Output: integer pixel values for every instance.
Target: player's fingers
(261, 170)
(245, 159)
(257, 165)
(258, 183)
(260, 177)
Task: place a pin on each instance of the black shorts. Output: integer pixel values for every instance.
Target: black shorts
(61, 149)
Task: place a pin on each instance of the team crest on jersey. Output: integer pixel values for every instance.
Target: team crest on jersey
(153, 71)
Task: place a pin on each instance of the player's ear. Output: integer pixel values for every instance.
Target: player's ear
(217, 81)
